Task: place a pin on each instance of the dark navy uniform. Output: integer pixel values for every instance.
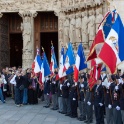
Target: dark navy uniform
(65, 95)
(116, 105)
(74, 102)
(108, 102)
(98, 103)
(47, 92)
(89, 105)
(53, 90)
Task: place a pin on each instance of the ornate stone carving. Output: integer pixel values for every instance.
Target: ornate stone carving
(84, 26)
(98, 2)
(78, 27)
(27, 33)
(72, 28)
(99, 17)
(61, 29)
(91, 25)
(66, 30)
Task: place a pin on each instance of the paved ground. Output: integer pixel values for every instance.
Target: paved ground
(32, 114)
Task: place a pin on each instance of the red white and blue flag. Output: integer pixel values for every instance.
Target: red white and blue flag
(103, 31)
(61, 63)
(37, 63)
(53, 64)
(80, 63)
(69, 58)
(112, 51)
(45, 69)
(96, 67)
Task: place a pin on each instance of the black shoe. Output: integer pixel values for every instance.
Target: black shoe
(81, 119)
(67, 114)
(88, 121)
(73, 116)
(46, 106)
(53, 109)
(63, 113)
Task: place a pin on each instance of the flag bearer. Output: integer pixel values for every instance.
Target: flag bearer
(89, 105)
(108, 99)
(98, 102)
(116, 103)
(73, 100)
(65, 95)
(47, 92)
(121, 88)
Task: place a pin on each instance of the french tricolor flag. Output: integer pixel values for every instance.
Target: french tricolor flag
(37, 63)
(45, 69)
(69, 58)
(112, 52)
(53, 64)
(80, 62)
(61, 63)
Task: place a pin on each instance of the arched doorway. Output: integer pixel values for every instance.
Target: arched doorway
(46, 30)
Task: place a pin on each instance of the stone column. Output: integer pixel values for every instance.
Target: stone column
(27, 27)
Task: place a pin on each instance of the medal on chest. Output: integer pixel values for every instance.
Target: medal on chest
(115, 96)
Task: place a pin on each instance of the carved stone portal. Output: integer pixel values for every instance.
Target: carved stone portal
(27, 34)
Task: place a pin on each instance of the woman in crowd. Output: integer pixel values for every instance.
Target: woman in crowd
(32, 90)
(1, 94)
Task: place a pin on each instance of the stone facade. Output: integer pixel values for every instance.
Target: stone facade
(77, 19)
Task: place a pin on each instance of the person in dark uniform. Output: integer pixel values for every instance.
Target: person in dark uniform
(98, 102)
(108, 99)
(47, 92)
(116, 103)
(121, 89)
(53, 91)
(89, 106)
(60, 99)
(74, 101)
(83, 85)
(65, 95)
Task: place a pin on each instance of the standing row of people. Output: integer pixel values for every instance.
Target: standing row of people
(106, 98)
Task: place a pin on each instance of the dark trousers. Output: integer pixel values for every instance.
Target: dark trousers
(99, 113)
(74, 108)
(19, 96)
(89, 112)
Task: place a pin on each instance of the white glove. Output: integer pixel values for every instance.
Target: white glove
(118, 108)
(74, 99)
(47, 93)
(100, 104)
(116, 88)
(82, 85)
(75, 83)
(84, 100)
(60, 86)
(89, 103)
(68, 84)
(109, 106)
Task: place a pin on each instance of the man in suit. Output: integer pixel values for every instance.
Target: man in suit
(47, 92)
(65, 95)
(99, 101)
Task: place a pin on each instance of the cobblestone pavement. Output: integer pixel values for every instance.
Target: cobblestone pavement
(32, 114)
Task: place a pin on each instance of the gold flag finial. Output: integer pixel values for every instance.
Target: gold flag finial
(43, 49)
(51, 43)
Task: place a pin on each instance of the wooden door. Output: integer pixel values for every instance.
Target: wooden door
(4, 42)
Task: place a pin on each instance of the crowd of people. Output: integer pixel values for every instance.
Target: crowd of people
(74, 99)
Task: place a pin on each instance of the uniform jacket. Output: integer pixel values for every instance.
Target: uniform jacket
(65, 89)
(98, 95)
